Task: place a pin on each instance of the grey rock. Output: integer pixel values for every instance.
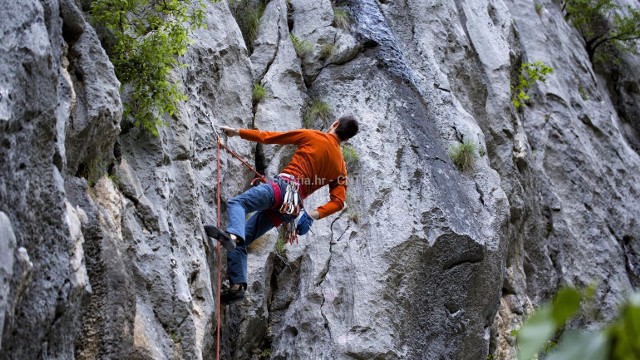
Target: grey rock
(7, 247)
(95, 109)
(42, 305)
(103, 253)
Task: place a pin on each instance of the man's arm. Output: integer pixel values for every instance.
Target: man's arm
(337, 196)
(267, 137)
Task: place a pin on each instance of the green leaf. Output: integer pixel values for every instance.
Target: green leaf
(535, 333)
(565, 305)
(581, 346)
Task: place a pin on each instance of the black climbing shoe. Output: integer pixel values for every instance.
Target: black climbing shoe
(221, 236)
(230, 296)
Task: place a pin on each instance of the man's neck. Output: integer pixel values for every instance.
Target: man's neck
(331, 132)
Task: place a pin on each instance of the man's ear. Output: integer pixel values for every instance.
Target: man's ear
(335, 124)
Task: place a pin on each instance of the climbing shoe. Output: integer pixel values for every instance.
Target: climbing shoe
(230, 296)
(222, 236)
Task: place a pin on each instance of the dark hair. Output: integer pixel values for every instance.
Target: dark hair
(347, 127)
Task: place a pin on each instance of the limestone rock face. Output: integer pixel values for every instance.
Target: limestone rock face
(102, 250)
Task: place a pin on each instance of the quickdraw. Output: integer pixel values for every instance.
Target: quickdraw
(291, 203)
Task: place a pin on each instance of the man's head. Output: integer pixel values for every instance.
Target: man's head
(345, 127)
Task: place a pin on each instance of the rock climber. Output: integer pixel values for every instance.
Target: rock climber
(317, 162)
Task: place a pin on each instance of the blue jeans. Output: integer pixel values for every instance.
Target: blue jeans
(259, 199)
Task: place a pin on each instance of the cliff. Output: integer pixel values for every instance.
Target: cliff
(103, 253)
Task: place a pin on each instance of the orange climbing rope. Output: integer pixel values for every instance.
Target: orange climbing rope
(246, 164)
(261, 177)
(291, 226)
(219, 259)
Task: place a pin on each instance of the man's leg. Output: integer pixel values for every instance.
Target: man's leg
(258, 224)
(255, 199)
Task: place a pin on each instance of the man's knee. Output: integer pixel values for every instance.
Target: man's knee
(234, 202)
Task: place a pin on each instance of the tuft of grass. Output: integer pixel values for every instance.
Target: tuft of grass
(353, 216)
(326, 51)
(302, 47)
(248, 18)
(259, 93)
(176, 338)
(266, 354)
(463, 155)
(341, 18)
(316, 109)
(583, 93)
(281, 244)
(351, 212)
(538, 6)
(350, 155)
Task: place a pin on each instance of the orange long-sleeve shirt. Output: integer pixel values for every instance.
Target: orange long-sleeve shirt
(317, 162)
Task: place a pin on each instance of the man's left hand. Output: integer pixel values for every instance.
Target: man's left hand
(315, 215)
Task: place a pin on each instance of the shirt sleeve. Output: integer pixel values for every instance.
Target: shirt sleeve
(337, 196)
(294, 137)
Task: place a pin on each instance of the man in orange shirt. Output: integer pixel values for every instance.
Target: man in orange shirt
(317, 162)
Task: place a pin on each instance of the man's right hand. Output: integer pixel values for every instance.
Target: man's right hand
(231, 132)
(304, 224)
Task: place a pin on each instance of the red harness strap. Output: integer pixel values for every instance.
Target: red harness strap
(277, 196)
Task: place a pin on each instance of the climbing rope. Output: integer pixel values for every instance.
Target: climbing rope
(219, 257)
(219, 224)
(291, 236)
(246, 164)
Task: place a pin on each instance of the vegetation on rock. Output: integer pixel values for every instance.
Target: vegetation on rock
(145, 38)
(350, 155)
(302, 47)
(604, 26)
(341, 18)
(529, 74)
(248, 14)
(619, 340)
(463, 155)
(259, 93)
(316, 109)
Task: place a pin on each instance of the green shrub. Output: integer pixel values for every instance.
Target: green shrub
(302, 47)
(616, 341)
(601, 25)
(341, 18)
(248, 16)
(326, 50)
(259, 92)
(316, 109)
(145, 37)
(463, 155)
(350, 155)
(529, 74)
